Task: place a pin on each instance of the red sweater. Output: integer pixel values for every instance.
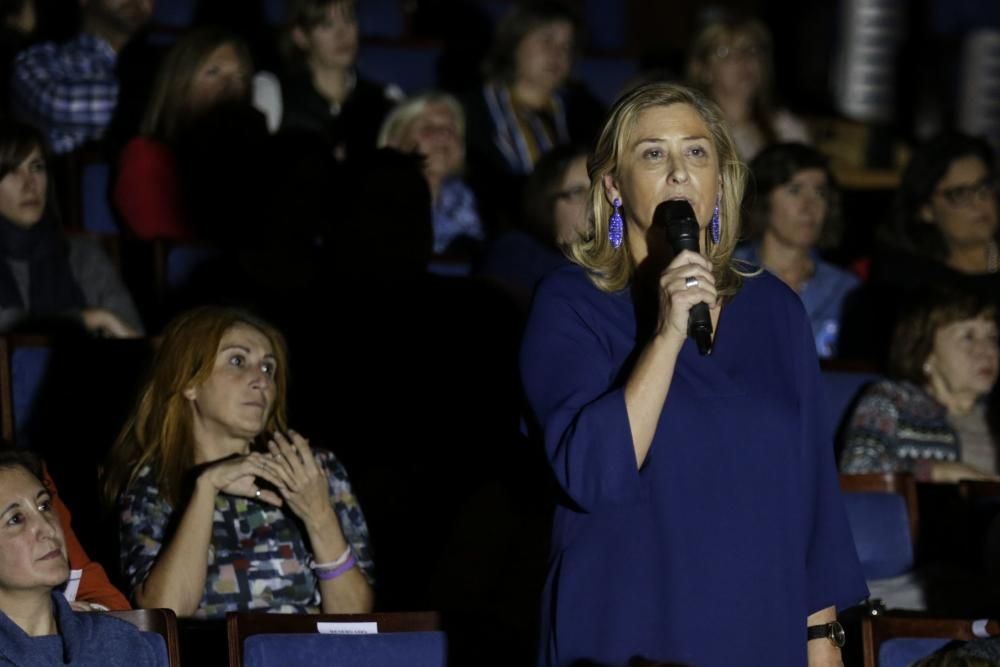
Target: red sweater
(147, 193)
(94, 583)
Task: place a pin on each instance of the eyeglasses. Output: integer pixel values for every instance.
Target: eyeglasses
(967, 195)
(741, 52)
(573, 194)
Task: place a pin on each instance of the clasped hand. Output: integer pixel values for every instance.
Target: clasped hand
(289, 466)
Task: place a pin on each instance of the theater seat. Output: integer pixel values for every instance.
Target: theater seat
(409, 639)
(893, 641)
(159, 628)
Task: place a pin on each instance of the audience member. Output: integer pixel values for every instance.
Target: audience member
(433, 126)
(18, 21)
(526, 106)
(555, 216)
(323, 93)
(211, 519)
(931, 417)
(70, 90)
(38, 626)
(731, 61)
(46, 278)
(206, 69)
(943, 234)
(792, 213)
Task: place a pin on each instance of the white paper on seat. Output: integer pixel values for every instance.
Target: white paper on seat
(355, 628)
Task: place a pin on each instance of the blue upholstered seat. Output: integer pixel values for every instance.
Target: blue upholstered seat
(97, 215)
(881, 529)
(904, 651)
(402, 649)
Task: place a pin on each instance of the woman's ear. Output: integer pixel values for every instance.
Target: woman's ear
(299, 39)
(611, 191)
(190, 393)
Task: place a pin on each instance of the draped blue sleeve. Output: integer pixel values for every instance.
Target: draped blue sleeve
(574, 389)
(833, 571)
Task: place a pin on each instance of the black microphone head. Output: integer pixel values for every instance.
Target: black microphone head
(677, 216)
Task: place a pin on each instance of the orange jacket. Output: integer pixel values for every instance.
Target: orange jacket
(94, 584)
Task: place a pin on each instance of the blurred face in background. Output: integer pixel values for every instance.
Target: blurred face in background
(543, 58)
(570, 210)
(964, 359)
(798, 209)
(434, 134)
(735, 66)
(23, 21)
(23, 191)
(124, 16)
(333, 42)
(222, 77)
(964, 204)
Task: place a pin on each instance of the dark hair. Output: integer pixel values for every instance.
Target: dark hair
(9, 8)
(913, 337)
(927, 167)
(775, 166)
(525, 17)
(17, 140)
(306, 15)
(542, 189)
(11, 457)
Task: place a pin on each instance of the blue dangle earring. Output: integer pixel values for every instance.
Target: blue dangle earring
(616, 226)
(714, 227)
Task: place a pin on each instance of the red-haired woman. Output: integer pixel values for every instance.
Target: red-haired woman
(208, 524)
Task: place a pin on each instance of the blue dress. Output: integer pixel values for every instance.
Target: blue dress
(732, 532)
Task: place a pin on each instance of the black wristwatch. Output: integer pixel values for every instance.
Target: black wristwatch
(833, 631)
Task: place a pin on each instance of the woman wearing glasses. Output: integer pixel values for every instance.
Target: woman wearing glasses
(730, 60)
(943, 234)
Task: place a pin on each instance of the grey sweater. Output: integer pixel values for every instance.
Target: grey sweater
(97, 277)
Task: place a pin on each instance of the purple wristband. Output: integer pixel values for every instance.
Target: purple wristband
(326, 575)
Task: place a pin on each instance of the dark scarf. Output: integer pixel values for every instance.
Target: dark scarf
(52, 289)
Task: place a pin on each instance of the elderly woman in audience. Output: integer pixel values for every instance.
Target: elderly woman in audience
(433, 125)
(48, 279)
(730, 60)
(793, 211)
(526, 107)
(323, 93)
(37, 624)
(931, 418)
(206, 69)
(222, 507)
(555, 216)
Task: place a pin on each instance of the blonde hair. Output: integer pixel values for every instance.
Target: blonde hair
(158, 432)
(719, 33)
(398, 122)
(610, 268)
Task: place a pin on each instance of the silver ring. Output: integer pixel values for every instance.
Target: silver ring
(690, 281)
(257, 493)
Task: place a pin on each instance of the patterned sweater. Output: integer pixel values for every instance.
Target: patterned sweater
(895, 427)
(258, 558)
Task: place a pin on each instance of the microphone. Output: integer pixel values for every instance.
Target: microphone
(682, 233)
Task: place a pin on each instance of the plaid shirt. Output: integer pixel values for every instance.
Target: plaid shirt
(68, 90)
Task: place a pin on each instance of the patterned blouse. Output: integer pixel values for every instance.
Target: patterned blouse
(898, 427)
(258, 558)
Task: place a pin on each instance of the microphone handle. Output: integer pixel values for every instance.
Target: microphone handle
(700, 327)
